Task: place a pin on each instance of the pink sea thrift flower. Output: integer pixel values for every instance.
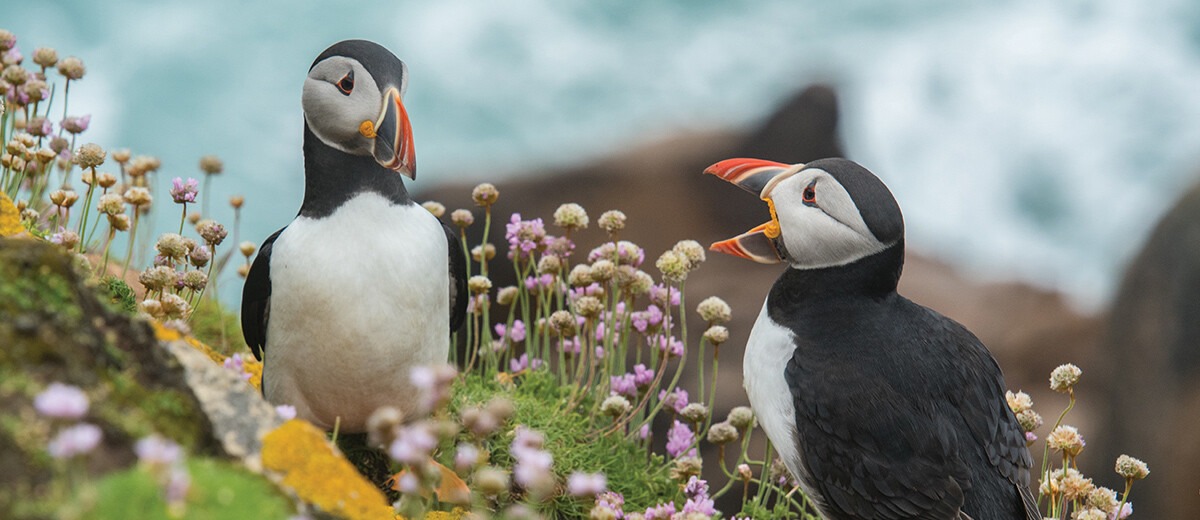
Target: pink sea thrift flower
(679, 440)
(76, 440)
(286, 412)
(61, 402)
(184, 192)
(586, 484)
(238, 365)
(158, 451)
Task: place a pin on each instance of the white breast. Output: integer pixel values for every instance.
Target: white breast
(358, 299)
(768, 352)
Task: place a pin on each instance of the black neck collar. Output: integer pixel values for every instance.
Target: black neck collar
(332, 177)
(803, 290)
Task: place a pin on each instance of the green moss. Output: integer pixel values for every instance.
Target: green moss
(540, 404)
(218, 328)
(219, 490)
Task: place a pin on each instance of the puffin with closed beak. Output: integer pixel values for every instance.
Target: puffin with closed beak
(364, 284)
(881, 408)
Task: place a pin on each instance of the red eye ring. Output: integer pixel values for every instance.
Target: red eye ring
(810, 194)
(346, 84)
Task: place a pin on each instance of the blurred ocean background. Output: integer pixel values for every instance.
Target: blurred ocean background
(1024, 139)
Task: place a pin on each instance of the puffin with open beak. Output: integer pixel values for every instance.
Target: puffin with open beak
(880, 408)
(364, 284)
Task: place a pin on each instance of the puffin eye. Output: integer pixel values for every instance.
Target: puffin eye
(810, 194)
(346, 84)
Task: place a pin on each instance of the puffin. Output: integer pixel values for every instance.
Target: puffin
(364, 284)
(879, 407)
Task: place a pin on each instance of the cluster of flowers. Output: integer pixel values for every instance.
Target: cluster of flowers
(617, 340)
(1066, 492)
(35, 146)
(68, 405)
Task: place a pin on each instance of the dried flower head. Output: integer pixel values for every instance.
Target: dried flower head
(714, 310)
(563, 323)
(1132, 468)
(193, 218)
(686, 467)
(1029, 420)
(603, 271)
(694, 412)
(462, 218)
(673, 266)
(383, 424)
(485, 194)
(1018, 402)
(1067, 440)
(138, 196)
(121, 155)
(692, 251)
(479, 284)
(106, 180)
(200, 256)
(588, 306)
(76, 125)
(434, 207)
(57, 197)
(211, 165)
(717, 334)
(247, 248)
(119, 222)
(611, 221)
(1103, 499)
(195, 280)
(571, 217)
(89, 155)
(615, 406)
(483, 252)
(111, 204)
(151, 306)
(549, 264)
(212, 232)
(506, 295)
(722, 433)
(174, 307)
(8, 40)
(236, 201)
(741, 417)
(490, 481)
(72, 68)
(243, 270)
(1063, 378)
(172, 246)
(580, 276)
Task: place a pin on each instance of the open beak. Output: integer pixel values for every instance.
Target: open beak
(393, 136)
(761, 244)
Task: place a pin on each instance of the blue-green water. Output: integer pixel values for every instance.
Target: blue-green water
(1023, 138)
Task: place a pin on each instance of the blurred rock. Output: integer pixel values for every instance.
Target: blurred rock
(1152, 348)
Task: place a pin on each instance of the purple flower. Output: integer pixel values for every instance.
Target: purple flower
(523, 362)
(516, 334)
(524, 236)
(1125, 511)
(532, 464)
(679, 439)
(648, 320)
(677, 400)
(623, 385)
(671, 346)
(286, 412)
(413, 444)
(644, 432)
(61, 402)
(43, 126)
(538, 283)
(561, 247)
(659, 294)
(465, 457)
(569, 346)
(238, 365)
(76, 125)
(408, 483)
(586, 484)
(157, 450)
(642, 377)
(660, 512)
(183, 193)
(698, 499)
(76, 440)
(1030, 437)
(613, 501)
(14, 56)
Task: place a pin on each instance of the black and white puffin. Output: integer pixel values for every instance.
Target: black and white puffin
(364, 284)
(881, 408)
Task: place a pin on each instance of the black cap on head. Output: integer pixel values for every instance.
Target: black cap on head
(875, 202)
(382, 64)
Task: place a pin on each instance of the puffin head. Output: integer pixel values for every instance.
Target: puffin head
(352, 103)
(826, 213)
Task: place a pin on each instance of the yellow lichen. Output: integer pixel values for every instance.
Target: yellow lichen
(319, 475)
(250, 365)
(10, 218)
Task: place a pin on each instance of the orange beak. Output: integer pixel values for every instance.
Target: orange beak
(393, 137)
(761, 244)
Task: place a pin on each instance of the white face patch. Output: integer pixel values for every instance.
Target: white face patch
(335, 116)
(826, 233)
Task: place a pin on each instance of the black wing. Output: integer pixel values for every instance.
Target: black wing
(871, 451)
(458, 280)
(256, 298)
